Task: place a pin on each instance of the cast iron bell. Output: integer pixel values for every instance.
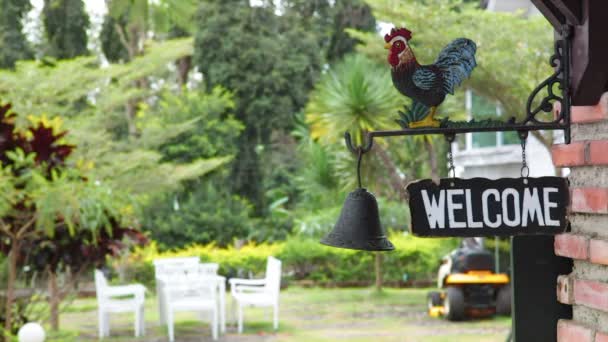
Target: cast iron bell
(359, 225)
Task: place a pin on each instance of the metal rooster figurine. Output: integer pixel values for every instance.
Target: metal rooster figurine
(428, 84)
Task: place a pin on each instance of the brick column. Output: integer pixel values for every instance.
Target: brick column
(586, 288)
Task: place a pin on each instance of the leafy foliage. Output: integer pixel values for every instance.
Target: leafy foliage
(355, 96)
(127, 24)
(19, 313)
(45, 188)
(201, 216)
(316, 178)
(41, 88)
(98, 128)
(351, 14)
(111, 45)
(65, 23)
(54, 219)
(172, 16)
(328, 21)
(214, 132)
(12, 39)
(80, 251)
(203, 210)
(270, 66)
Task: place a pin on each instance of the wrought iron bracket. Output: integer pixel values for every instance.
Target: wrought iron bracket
(560, 79)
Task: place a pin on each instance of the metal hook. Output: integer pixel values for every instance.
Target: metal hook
(450, 137)
(359, 167)
(523, 135)
(359, 149)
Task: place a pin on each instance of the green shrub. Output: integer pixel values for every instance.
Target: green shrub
(419, 258)
(306, 259)
(233, 262)
(207, 213)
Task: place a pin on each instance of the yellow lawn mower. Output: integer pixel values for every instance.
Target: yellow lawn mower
(469, 286)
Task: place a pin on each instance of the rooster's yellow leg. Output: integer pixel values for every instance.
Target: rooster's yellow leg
(428, 121)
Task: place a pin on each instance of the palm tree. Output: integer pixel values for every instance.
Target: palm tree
(413, 113)
(356, 96)
(317, 182)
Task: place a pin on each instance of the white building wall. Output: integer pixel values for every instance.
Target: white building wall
(503, 161)
(525, 6)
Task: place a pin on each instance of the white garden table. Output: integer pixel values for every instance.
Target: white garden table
(164, 284)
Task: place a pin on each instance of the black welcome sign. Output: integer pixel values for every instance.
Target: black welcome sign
(484, 207)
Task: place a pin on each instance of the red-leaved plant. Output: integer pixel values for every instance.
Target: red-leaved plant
(76, 250)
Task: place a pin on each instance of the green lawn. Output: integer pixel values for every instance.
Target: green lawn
(306, 315)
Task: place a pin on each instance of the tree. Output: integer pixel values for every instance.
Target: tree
(12, 39)
(65, 23)
(215, 130)
(269, 64)
(328, 21)
(353, 14)
(121, 29)
(203, 209)
(411, 114)
(98, 127)
(355, 96)
(111, 46)
(48, 203)
(316, 179)
(184, 135)
(205, 214)
(71, 254)
(131, 21)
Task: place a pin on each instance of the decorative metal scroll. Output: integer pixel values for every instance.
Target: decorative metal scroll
(556, 86)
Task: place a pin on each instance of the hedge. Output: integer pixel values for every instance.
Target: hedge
(307, 259)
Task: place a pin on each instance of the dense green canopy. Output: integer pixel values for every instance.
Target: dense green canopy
(13, 44)
(65, 24)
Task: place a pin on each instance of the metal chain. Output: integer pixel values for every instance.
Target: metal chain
(451, 168)
(525, 170)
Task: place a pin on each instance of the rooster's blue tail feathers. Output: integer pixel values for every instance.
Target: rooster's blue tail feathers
(457, 60)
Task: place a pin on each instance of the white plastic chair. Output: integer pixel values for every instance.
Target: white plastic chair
(258, 292)
(106, 304)
(197, 296)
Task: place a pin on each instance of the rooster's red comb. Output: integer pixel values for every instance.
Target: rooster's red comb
(403, 32)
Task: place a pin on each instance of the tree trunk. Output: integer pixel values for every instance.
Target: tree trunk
(432, 159)
(183, 68)
(130, 114)
(10, 285)
(54, 300)
(132, 43)
(397, 182)
(378, 268)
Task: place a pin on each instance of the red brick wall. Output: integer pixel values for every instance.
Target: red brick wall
(586, 288)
